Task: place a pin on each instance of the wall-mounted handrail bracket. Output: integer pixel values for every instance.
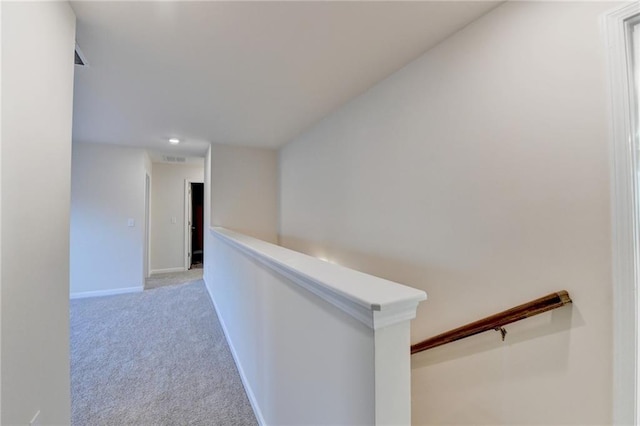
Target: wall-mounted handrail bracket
(497, 322)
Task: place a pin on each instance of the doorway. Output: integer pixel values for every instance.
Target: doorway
(622, 30)
(147, 225)
(194, 225)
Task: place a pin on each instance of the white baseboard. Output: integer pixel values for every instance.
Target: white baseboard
(97, 293)
(167, 270)
(243, 377)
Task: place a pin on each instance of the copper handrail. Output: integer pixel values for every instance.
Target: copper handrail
(497, 321)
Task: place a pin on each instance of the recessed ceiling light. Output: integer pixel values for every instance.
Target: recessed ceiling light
(174, 141)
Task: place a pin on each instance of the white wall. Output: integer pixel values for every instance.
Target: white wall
(148, 164)
(244, 190)
(0, 222)
(281, 335)
(167, 203)
(479, 173)
(37, 96)
(107, 189)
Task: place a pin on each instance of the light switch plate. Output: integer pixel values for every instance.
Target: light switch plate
(131, 222)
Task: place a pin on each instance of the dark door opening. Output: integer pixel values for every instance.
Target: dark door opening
(197, 225)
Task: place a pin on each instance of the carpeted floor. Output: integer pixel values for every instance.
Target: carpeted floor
(172, 278)
(157, 357)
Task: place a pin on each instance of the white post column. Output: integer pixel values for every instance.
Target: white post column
(392, 357)
(393, 374)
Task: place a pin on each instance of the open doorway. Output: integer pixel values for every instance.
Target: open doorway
(147, 224)
(195, 225)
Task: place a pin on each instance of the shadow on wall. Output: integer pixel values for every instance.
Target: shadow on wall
(457, 296)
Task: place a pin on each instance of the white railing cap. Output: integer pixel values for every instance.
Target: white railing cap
(375, 301)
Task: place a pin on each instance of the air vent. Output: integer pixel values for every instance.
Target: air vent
(79, 57)
(173, 159)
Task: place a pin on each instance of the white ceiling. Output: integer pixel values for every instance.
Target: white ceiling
(246, 73)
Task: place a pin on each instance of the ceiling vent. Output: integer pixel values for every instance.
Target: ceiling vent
(174, 159)
(79, 57)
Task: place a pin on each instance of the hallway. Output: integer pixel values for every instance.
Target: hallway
(154, 357)
(484, 153)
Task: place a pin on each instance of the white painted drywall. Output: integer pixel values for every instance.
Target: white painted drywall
(303, 361)
(479, 173)
(107, 189)
(148, 164)
(244, 190)
(38, 40)
(0, 222)
(167, 203)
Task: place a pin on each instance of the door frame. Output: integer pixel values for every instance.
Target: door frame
(187, 221)
(147, 227)
(625, 213)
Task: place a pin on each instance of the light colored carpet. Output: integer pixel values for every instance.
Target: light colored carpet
(173, 278)
(157, 357)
